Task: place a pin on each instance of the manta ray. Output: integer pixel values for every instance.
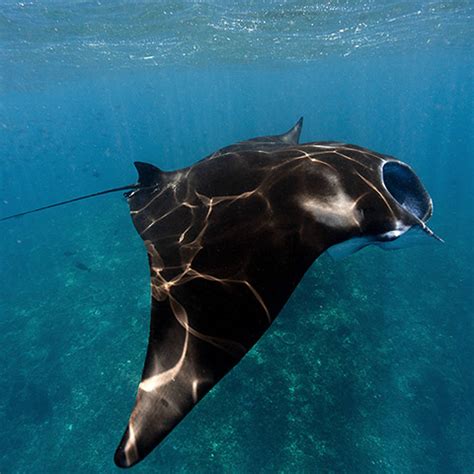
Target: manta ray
(228, 240)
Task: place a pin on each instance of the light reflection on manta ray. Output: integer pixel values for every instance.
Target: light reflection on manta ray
(229, 239)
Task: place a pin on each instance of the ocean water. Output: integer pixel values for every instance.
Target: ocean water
(370, 367)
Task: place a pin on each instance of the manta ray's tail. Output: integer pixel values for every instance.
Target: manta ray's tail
(80, 198)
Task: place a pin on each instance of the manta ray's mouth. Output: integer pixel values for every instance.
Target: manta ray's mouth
(406, 189)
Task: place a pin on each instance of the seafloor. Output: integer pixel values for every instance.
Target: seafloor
(362, 372)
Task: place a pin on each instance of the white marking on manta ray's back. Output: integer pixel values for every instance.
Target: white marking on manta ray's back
(195, 387)
(338, 210)
(196, 382)
(131, 453)
(156, 381)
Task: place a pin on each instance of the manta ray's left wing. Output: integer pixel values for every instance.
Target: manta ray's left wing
(218, 279)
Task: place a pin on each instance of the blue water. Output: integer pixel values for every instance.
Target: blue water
(369, 369)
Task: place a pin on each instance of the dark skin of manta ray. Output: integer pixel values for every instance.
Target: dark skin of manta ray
(229, 239)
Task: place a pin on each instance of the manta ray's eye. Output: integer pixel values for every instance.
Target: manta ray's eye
(406, 188)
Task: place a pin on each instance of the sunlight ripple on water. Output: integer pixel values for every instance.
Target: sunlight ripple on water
(124, 34)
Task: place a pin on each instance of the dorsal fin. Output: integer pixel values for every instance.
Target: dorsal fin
(292, 136)
(147, 174)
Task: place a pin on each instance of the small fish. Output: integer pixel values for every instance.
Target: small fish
(82, 266)
(69, 253)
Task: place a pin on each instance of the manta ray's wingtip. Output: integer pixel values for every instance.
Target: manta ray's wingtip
(126, 455)
(120, 459)
(292, 136)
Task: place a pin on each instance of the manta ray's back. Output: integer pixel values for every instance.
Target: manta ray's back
(228, 240)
